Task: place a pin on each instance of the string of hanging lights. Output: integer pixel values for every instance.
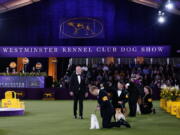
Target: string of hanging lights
(168, 5)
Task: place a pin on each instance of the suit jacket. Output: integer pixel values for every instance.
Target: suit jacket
(123, 98)
(75, 87)
(133, 91)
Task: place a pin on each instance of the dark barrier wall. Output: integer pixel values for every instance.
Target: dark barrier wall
(58, 93)
(124, 22)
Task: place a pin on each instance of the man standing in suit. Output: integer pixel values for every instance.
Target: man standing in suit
(78, 91)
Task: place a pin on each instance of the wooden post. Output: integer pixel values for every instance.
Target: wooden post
(19, 64)
(52, 68)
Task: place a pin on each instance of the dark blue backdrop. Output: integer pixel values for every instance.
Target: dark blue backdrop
(124, 23)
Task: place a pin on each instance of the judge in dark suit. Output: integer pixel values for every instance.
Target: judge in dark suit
(78, 90)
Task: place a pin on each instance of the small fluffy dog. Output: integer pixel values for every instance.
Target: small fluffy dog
(119, 115)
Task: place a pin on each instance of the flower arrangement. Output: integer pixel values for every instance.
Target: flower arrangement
(170, 93)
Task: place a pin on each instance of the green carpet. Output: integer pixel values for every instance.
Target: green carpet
(55, 118)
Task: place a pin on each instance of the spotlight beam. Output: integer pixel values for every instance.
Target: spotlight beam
(169, 5)
(154, 4)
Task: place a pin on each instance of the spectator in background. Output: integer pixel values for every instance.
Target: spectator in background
(151, 75)
(105, 68)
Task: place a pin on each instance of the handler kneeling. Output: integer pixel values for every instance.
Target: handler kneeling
(106, 109)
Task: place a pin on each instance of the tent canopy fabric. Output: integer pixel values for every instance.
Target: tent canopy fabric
(6, 5)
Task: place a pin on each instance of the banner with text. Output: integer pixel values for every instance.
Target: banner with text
(86, 51)
(22, 82)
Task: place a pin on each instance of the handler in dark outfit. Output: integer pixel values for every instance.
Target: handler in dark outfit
(78, 90)
(120, 97)
(133, 97)
(146, 106)
(106, 109)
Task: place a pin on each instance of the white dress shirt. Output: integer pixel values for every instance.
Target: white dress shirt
(119, 93)
(79, 79)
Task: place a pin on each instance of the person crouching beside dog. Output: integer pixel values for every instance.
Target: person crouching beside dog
(146, 106)
(106, 109)
(119, 99)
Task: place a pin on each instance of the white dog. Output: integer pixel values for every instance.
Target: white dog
(94, 122)
(119, 115)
